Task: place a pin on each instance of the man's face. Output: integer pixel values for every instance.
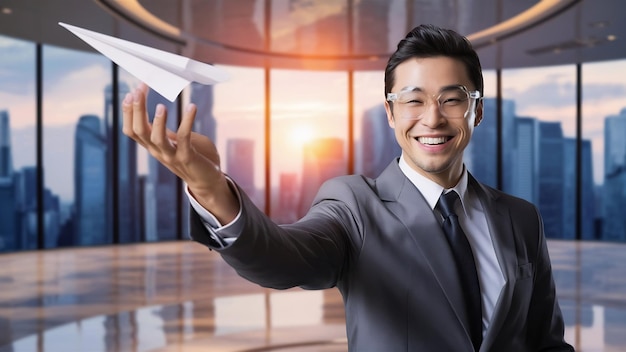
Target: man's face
(433, 145)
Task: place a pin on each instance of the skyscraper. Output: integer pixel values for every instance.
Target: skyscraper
(90, 183)
(202, 96)
(323, 159)
(509, 144)
(525, 171)
(127, 209)
(551, 178)
(378, 145)
(480, 156)
(26, 190)
(8, 206)
(6, 162)
(589, 212)
(614, 199)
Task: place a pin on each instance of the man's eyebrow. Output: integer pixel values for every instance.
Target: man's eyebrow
(420, 89)
(411, 89)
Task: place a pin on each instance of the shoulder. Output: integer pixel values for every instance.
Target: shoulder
(503, 199)
(349, 189)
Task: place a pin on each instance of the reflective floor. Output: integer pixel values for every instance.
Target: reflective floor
(179, 296)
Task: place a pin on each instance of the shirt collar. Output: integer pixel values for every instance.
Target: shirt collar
(430, 189)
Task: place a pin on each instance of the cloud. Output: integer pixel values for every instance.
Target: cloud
(555, 94)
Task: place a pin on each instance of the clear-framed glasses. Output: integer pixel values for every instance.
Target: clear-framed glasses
(454, 102)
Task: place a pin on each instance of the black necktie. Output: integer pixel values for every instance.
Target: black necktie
(465, 265)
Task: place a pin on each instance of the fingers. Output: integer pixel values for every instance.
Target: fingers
(158, 135)
(183, 135)
(140, 124)
(127, 116)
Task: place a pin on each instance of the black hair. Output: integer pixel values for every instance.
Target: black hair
(428, 41)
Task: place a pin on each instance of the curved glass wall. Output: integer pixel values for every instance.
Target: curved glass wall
(541, 154)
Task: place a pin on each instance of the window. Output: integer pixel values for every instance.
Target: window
(18, 142)
(77, 208)
(539, 149)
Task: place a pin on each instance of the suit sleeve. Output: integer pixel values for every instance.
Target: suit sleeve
(311, 253)
(545, 320)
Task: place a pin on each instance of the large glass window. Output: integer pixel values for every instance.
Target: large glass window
(18, 171)
(539, 149)
(232, 114)
(604, 151)
(76, 207)
(309, 128)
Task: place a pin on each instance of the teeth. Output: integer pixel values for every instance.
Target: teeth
(431, 140)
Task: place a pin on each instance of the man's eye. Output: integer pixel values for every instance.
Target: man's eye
(451, 101)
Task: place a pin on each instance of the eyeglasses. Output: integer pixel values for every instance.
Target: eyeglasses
(454, 102)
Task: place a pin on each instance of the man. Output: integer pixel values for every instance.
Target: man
(417, 273)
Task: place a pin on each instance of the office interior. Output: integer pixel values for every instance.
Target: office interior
(94, 247)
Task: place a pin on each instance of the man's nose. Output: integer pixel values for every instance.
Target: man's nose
(432, 116)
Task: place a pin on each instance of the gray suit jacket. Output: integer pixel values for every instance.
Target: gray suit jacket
(379, 242)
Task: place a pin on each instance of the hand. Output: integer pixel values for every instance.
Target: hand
(191, 156)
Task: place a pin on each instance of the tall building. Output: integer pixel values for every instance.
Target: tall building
(551, 178)
(614, 199)
(378, 145)
(6, 162)
(240, 164)
(205, 123)
(480, 155)
(90, 183)
(323, 159)
(525, 171)
(162, 185)
(509, 144)
(26, 190)
(126, 208)
(8, 209)
(8, 206)
(588, 210)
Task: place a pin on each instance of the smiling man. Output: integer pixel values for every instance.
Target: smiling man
(426, 257)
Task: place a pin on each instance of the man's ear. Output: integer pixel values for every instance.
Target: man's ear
(390, 119)
(479, 113)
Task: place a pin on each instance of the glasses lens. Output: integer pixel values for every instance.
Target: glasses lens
(412, 104)
(454, 103)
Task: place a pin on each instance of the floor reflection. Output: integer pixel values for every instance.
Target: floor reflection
(178, 296)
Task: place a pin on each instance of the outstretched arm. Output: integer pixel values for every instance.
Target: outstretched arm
(189, 155)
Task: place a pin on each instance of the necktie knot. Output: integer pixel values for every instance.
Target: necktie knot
(446, 203)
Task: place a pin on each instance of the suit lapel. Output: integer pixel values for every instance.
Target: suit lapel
(431, 246)
(501, 230)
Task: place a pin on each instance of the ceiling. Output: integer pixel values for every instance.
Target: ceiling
(332, 34)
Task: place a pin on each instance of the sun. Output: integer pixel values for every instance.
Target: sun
(301, 134)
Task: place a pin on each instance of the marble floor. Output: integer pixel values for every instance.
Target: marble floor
(181, 297)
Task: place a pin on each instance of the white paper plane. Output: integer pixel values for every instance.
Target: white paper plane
(162, 71)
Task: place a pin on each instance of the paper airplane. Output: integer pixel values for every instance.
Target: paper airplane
(162, 71)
